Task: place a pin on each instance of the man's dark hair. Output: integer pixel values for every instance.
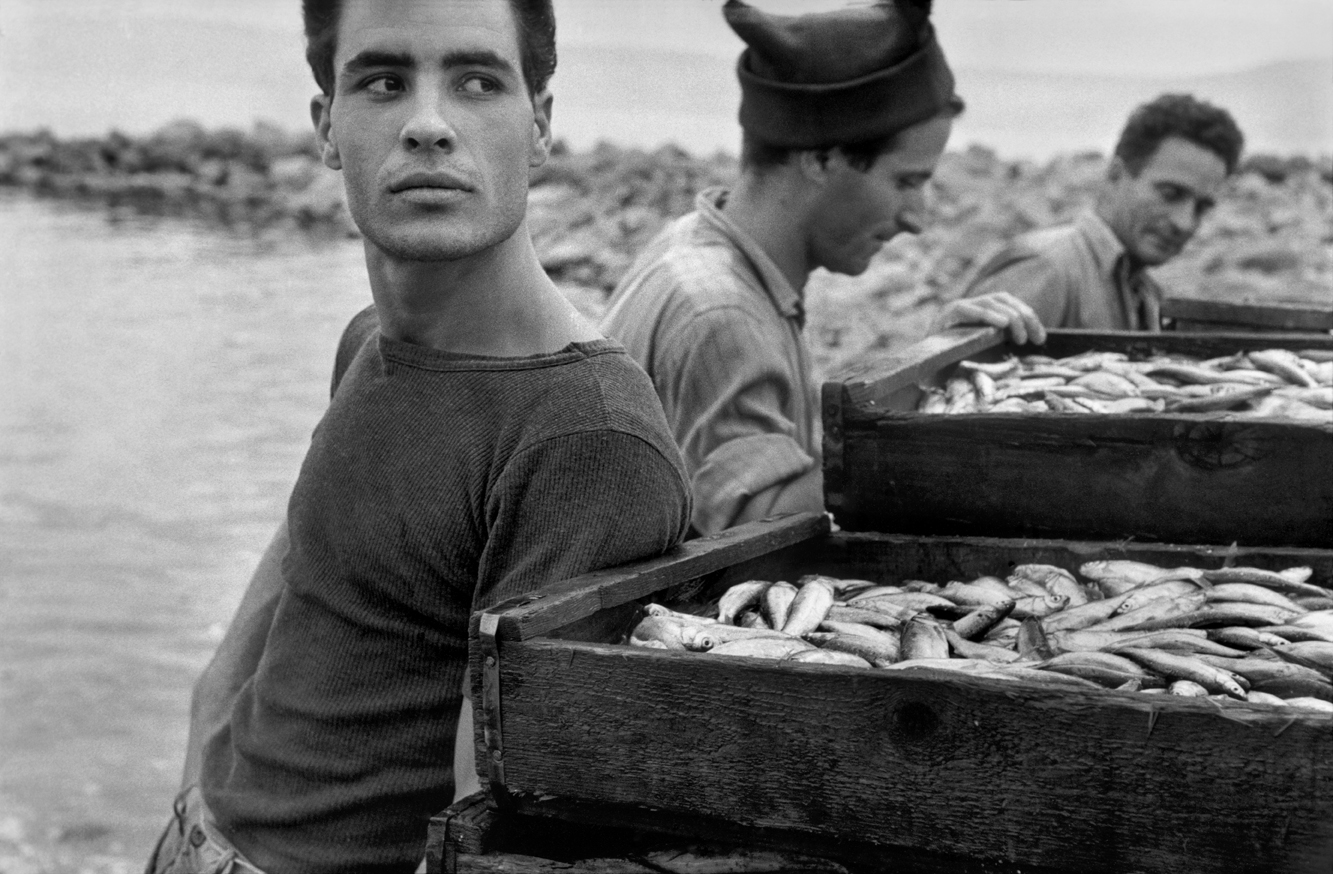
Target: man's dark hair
(1179, 115)
(534, 20)
(758, 155)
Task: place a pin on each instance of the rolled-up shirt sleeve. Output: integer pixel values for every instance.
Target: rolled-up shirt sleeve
(730, 394)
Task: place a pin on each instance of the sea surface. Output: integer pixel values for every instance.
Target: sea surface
(160, 383)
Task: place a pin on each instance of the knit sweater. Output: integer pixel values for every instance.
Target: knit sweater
(435, 485)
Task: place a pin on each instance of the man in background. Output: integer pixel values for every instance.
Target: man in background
(1172, 159)
(844, 116)
(482, 440)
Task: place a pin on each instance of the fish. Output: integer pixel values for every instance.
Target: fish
(1254, 697)
(725, 633)
(1148, 592)
(752, 619)
(1223, 400)
(739, 597)
(981, 620)
(829, 657)
(1038, 606)
(864, 616)
(1317, 704)
(1032, 644)
(1221, 614)
(1089, 614)
(1320, 396)
(1183, 667)
(1297, 633)
(1285, 364)
(1316, 619)
(880, 655)
(968, 595)
(660, 610)
(1101, 668)
(880, 637)
(970, 650)
(1292, 581)
(762, 648)
(1243, 637)
(1155, 611)
(776, 603)
(1187, 689)
(923, 638)
(1117, 576)
(1055, 580)
(809, 607)
(1314, 654)
(993, 369)
(1252, 594)
(892, 609)
(1188, 373)
(1107, 384)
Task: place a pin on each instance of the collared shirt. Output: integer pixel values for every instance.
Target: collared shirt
(717, 327)
(1074, 276)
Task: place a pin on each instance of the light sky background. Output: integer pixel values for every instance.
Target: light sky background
(1039, 75)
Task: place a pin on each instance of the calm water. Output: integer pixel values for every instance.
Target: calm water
(161, 381)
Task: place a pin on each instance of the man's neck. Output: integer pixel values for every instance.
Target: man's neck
(769, 214)
(498, 302)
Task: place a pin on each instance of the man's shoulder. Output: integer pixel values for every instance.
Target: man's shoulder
(695, 264)
(599, 388)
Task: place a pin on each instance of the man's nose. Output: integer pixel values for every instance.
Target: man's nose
(428, 125)
(1184, 216)
(912, 217)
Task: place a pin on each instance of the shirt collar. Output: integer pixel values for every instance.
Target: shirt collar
(709, 204)
(1106, 246)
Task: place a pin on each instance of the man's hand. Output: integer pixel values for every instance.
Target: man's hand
(999, 309)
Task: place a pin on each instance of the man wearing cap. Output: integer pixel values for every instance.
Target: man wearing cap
(844, 116)
(1172, 158)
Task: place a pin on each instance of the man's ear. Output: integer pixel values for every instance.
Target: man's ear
(320, 105)
(540, 149)
(814, 165)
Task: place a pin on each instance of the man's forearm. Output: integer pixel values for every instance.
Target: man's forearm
(237, 656)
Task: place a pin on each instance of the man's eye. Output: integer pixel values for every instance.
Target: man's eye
(384, 84)
(480, 85)
(1171, 193)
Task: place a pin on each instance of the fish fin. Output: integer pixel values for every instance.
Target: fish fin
(1229, 559)
(1152, 719)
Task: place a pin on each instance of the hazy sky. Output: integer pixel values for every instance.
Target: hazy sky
(85, 66)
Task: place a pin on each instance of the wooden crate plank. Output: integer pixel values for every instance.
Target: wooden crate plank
(1271, 315)
(1098, 782)
(873, 381)
(580, 597)
(1158, 477)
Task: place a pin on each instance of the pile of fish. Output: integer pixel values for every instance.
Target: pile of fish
(1267, 382)
(1230, 634)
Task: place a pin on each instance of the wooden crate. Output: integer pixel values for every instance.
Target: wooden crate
(1169, 477)
(917, 768)
(1199, 314)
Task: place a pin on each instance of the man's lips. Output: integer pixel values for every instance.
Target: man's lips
(437, 179)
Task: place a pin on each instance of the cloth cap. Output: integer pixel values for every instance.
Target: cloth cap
(845, 76)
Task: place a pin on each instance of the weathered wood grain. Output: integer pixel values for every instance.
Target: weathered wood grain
(873, 381)
(1091, 781)
(1172, 478)
(1202, 314)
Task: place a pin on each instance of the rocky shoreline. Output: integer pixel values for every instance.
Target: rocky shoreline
(591, 211)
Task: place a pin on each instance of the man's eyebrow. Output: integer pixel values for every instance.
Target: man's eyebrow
(374, 58)
(478, 58)
(371, 59)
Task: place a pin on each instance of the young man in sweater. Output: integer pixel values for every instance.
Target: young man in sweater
(844, 116)
(482, 440)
